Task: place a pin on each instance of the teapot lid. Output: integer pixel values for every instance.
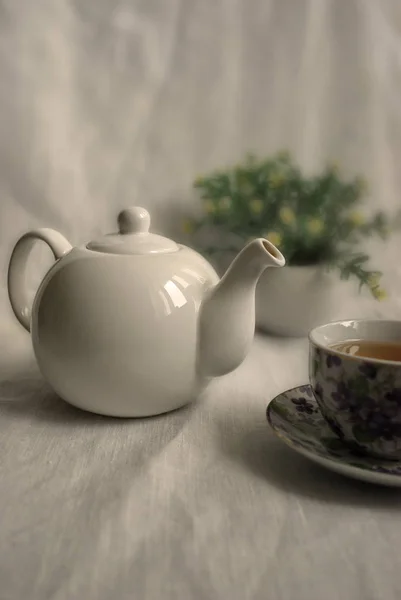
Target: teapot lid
(133, 236)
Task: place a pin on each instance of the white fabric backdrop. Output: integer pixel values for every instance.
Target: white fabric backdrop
(108, 103)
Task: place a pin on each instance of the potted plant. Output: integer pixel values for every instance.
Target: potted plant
(313, 220)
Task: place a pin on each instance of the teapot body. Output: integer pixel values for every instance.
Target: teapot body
(133, 324)
(118, 336)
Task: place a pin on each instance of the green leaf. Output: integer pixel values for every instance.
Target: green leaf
(326, 198)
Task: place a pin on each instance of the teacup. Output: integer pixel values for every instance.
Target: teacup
(359, 397)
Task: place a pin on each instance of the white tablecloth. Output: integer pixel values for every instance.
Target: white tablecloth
(202, 503)
(105, 104)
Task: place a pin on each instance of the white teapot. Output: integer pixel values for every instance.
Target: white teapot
(133, 324)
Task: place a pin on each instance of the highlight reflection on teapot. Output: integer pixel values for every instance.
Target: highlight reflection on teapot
(134, 324)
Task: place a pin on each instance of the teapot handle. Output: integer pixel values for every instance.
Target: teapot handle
(17, 290)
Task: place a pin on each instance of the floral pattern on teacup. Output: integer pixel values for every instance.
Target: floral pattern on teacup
(361, 401)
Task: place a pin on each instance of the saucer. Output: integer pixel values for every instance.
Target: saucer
(296, 419)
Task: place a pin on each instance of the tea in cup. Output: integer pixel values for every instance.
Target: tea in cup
(355, 374)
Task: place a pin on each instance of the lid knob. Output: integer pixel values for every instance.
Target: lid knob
(134, 220)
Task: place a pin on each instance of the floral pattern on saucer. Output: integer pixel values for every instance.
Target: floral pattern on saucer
(296, 419)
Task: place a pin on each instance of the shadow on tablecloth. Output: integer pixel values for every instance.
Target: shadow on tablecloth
(27, 401)
(248, 440)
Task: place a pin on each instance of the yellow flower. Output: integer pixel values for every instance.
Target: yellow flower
(225, 203)
(356, 218)
(256, 206)
(274, 237)
(373, 280)
(198, 181)
(380, 294)
(209, 206)
(287, 216)
(315, 226)
(187, 226)
(276, 180)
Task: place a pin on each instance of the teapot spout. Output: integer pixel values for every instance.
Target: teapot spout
(227, 314)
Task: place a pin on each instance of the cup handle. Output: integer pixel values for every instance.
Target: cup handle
(17, 289)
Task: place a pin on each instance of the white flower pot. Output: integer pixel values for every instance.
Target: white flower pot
(293, 300)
